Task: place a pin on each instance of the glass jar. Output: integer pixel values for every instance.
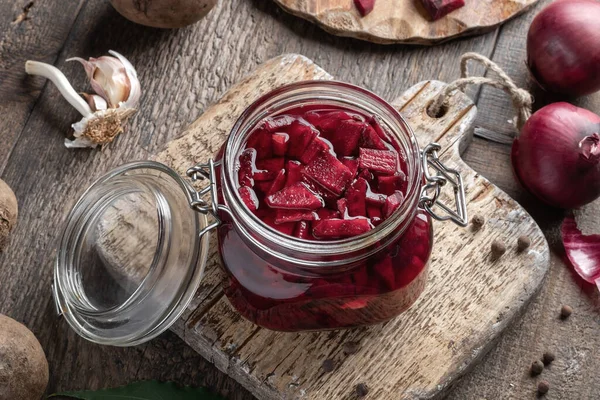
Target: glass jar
(135, 245)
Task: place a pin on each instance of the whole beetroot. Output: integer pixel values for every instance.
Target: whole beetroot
(164, 13)
(23, 365)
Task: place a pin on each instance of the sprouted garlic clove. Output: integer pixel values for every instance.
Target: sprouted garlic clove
(118, 91)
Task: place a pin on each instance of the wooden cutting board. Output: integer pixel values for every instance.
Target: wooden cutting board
(470, 299)
(405, 21)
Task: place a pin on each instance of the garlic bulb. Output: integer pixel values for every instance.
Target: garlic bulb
(117, 94)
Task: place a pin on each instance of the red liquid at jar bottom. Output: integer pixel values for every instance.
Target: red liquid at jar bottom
(286, 298)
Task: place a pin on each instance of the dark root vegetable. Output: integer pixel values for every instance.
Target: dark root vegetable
(23, 365)
(563, 47)
(8, 212)
(164, 13)
(557, 155)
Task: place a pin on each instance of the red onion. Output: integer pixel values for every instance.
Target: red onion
(557, 155)
(563, 47)
(582, 250)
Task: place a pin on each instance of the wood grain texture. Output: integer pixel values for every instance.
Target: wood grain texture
(184, 71)
(405, 21)
(467, 303)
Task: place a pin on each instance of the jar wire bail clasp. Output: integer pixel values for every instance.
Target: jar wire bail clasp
(431, 191)
(201, 172)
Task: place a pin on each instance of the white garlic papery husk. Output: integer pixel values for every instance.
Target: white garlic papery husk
(117, 94)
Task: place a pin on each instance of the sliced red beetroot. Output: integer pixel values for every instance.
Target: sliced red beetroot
(341, 228)
(315, 148)
(327, 121)
(281, 122)
(351, 164)
(286, 229)
(356, 197)
(268, 169)
(294, 173)
(383, 161)
(385, 272)
(248, 197)
(326, 213)
(280, 143)
(263, 186)
(342, 206)
(283, 216)
(388, 184)
(383, 133)
(295, 197)
(278, 182)
(374, 211)
(440, 8)
(301, 134)
(369, 139)
(375, 199)
(329, 197)
(247, 167)
(261, 141)
(364, 6)
(302, 230)
(392, 203)
(329, 172)
(346, 137)
(582, 250)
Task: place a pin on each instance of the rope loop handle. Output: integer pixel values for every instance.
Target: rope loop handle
(522, 100)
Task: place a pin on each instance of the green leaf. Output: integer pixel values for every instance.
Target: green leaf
(147, 390)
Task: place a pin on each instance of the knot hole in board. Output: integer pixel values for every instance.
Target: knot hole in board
(440, 113)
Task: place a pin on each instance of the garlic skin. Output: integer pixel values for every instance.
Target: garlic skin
(117, 94)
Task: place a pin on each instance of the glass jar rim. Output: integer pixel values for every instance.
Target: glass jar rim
(353, 96)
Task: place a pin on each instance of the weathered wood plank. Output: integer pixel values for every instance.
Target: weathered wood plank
(405, 21)
(28, 30)
(467, 304)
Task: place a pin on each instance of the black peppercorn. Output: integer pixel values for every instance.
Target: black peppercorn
(548, 357)
(536, 368)
(543, 387)
(362, 390)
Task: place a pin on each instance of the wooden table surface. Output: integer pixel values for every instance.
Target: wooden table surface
(184, 71)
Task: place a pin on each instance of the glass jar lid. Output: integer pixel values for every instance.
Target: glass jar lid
(131, 255)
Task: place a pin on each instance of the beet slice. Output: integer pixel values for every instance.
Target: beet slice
(267, 169)
(302, 230)
(369, 139)
(342, 206)
(249, 197)
(326, 213)
(315, 148)
(385, 272)
(389, 184)
(329, 172)
(286, 229)
(374, 211)
(294, 197)
(301, 134)
(294, 173)
(440, 8)
(351, 164)
(341, 228)
(346, 137)
(261, 141)
(263, 186)
(582, 250)
(280, 143)
(327, 121)
(383, 161)
(364, 6)
(283, 216)
(278, 182)
(356, 197)
(392, 203)
(247, 162)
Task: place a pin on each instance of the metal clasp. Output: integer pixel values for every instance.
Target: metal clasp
(201, 172)
(430, 193)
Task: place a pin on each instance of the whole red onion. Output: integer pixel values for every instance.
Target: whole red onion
(563, 47)
(557, 155)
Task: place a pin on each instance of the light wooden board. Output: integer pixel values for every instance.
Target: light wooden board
(405, 21)
(469, 300)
